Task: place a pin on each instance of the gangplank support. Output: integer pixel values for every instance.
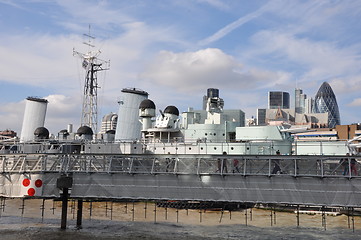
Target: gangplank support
(64, 183)
(79, 214)
(64, 208)
(245, 217)
(298, 215)
(42, 208)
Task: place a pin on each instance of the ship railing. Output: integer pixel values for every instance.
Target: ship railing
(248, 147)
(198, 164)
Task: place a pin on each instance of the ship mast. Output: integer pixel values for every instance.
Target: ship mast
(92, 65)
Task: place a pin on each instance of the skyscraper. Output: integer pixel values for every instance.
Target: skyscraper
(325, 101)
(278, 99)
(300, 101)
(261, 116)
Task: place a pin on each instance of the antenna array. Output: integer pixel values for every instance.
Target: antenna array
(92, 65)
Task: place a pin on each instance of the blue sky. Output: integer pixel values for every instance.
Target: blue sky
(175, 50)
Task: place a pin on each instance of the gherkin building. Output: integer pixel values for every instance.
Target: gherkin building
(325, 101)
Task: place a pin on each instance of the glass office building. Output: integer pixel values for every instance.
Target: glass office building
(300, 101)
(278, 99)
(325, 101)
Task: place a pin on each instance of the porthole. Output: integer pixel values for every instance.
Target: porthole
(215, 148)
(190, 148)
(232, 148)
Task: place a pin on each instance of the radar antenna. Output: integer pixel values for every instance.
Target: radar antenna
(92, 65)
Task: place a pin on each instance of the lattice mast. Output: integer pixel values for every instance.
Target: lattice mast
(92, 65)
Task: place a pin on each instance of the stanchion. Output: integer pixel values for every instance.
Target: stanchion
(298, 215)
(73, 208)
(111, 210)
(177, 211)
(22, 207)
(220, 219)
(245, 215)
(145, 210)
(3, 205)
(64, 183)
(353, 220)
(274, 216)
(90, 209)
(323, 218)
(53, 208)
(133, 212)
(42, 208)
(250, 214)
(155, 212)
(79, 214)
(64, 208)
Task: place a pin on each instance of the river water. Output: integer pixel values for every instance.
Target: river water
(144, 221)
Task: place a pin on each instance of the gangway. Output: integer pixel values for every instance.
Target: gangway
(307, 180)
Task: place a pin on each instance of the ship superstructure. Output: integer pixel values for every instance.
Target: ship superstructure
(140, 131)
(216, 134)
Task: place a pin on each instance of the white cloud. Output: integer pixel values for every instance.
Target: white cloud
(321, 60)
(195, 71)
(41, 61)
(355, 103)
(11, 115)
(61, 110)
(98, 13)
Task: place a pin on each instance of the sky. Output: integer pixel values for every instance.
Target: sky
(175, 50)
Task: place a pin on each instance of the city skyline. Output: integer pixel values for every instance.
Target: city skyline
(175, 50)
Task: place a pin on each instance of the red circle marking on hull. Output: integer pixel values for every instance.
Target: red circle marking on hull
(26, 182)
